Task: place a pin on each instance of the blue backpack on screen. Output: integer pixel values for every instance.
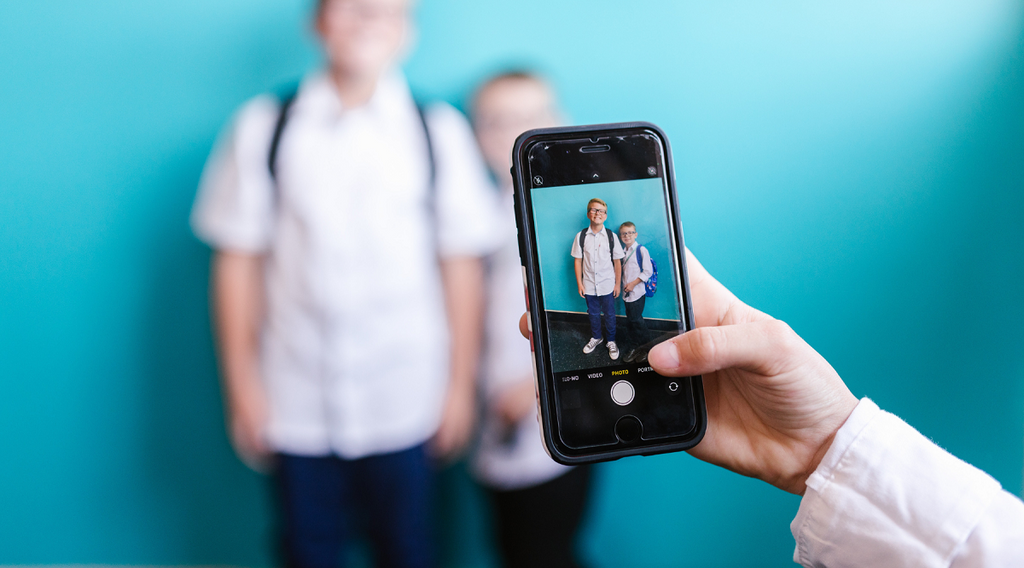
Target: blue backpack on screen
(651, 286)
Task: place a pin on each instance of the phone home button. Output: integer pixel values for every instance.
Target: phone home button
(628, 429)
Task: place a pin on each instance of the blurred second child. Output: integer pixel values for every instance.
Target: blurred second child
(538, 504)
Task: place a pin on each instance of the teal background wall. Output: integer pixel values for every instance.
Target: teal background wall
(559, 214)
(852, 167)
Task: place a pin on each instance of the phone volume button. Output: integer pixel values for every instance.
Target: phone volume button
(519, 234)
(522, 248)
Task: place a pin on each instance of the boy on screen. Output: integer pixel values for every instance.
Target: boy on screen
(637, 268)
(598, 262)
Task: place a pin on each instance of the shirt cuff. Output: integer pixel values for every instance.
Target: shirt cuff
(884, 495)
(223, 238)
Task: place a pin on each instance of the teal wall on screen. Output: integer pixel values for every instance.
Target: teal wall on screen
(854, 168)
(560, 213)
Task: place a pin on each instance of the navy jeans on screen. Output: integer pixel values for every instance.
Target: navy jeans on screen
(635, 324)
(326, 500)
(595, 306)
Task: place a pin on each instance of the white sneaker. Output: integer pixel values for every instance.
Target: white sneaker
(592, 344)
(613, 350)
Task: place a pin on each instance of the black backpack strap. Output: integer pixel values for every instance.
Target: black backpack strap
(583, 235)
(287, 98)
(422, 112)
(432, 209)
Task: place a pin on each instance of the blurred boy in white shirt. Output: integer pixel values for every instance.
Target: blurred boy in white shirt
(538, 504)
(347, 287)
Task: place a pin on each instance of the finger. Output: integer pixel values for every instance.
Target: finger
(757, 347)
(438, 446)
(446, 444)
(255, 454)
(524, 325)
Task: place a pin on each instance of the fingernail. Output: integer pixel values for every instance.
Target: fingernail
(664, 356)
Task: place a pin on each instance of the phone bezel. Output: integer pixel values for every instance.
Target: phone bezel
(538, 320)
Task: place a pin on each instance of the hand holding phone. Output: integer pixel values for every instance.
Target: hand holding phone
(596, 207)
(774, 403)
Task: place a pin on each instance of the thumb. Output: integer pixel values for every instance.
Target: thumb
(755, 346)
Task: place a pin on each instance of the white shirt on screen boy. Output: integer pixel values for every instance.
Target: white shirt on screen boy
(631, 270)
(354, 345)
(598, 270)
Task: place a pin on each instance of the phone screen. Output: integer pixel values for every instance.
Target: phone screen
(608, 253)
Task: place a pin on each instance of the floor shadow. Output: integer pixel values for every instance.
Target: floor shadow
(568, 338)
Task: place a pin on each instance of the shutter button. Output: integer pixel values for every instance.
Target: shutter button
(622, 393)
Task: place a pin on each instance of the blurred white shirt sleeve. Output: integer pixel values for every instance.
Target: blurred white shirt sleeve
(468, 223)
(884, 495)
(234, 209)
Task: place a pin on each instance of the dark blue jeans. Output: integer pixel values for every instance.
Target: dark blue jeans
(595, 306)
(635, 324)
(326, 500)
(538, 526)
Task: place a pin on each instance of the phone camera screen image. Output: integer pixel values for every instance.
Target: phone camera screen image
(609, 286)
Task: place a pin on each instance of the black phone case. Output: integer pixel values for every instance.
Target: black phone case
(558, 451)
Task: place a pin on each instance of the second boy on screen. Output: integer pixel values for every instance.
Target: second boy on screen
(637, 269)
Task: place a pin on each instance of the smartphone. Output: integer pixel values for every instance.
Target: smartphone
(605, 271)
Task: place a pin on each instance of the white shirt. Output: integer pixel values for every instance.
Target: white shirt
(631, 271)
(598, 270)
(508, 457)
(354, 348)
(886, 496)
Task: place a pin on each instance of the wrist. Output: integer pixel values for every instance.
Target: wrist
(798, 481)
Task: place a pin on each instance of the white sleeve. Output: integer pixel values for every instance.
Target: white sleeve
(576, 251)
(507, 357)
(234, 208)
(884, 495)
(647, 269)
(467, 202)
